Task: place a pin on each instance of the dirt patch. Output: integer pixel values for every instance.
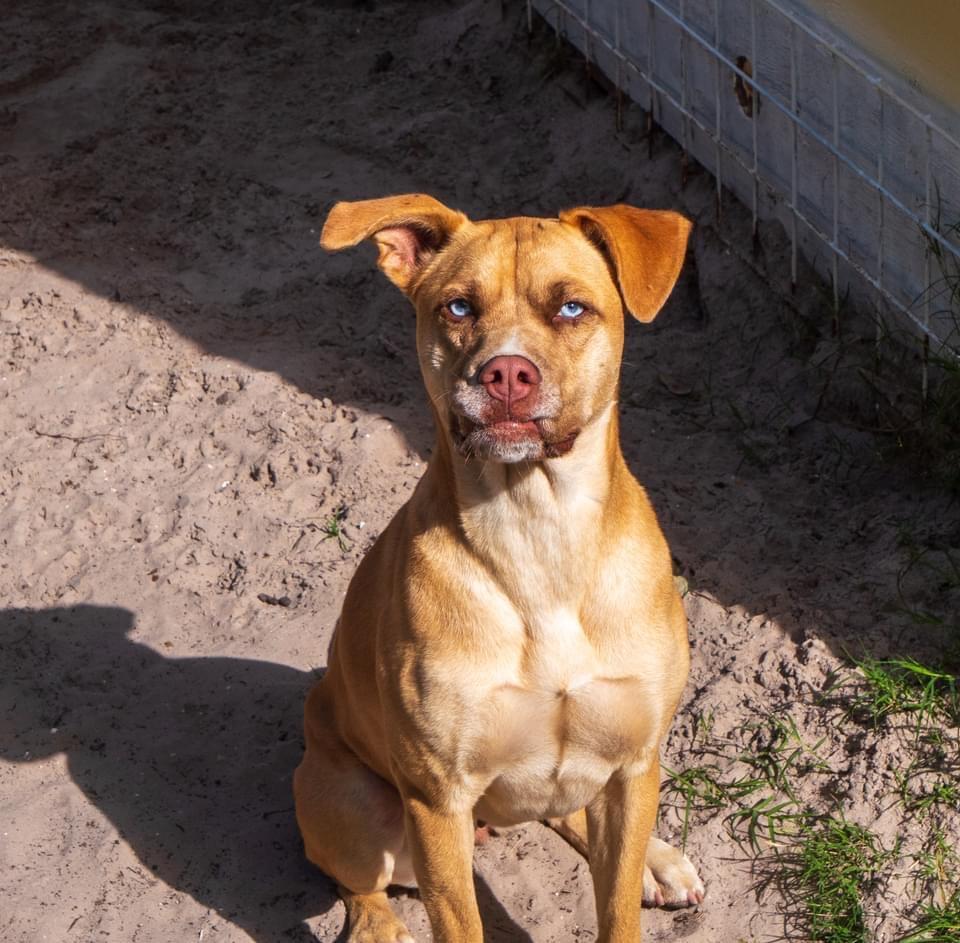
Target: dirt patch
(206, 421)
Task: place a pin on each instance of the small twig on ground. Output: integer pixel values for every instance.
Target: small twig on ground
(78, 440)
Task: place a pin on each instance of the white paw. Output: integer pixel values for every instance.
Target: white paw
(669, 878)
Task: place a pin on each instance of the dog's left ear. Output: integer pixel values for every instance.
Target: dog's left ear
(408, 230)
(645, 247)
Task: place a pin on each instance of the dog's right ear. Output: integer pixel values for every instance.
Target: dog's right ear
(408, 230)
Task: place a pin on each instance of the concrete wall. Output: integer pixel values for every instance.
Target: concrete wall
(917, 40)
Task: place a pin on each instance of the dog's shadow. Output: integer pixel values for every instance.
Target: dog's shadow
(190, 758)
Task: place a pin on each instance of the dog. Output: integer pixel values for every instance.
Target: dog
(513, 646)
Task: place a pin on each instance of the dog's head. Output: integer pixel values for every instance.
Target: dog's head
(519, 321)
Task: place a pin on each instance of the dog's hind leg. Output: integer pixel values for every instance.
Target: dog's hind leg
(573, 828)
(352, 824)
(669, 877)
(371, 920)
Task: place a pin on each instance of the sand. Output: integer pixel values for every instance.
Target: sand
(190, 389)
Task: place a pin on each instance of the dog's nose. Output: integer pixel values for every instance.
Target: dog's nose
(509, 379)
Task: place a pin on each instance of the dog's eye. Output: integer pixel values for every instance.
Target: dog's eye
(459, 308)
(571, 310)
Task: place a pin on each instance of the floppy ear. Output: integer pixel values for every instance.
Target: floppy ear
(408, 231)
(645, 247)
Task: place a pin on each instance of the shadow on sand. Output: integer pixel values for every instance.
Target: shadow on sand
(190, 759)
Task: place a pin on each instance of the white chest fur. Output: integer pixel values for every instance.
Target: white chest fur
(553, 720)
(555, 706)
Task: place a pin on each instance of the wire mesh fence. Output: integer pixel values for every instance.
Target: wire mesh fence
(864, 176)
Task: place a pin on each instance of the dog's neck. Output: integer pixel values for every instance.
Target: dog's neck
(537, 522)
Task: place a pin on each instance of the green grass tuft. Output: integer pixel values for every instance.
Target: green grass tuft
(899, 686)
(704, 788)
(939, 923)
(332, 527)
(770, 820)
(829, 869)
(778, 752)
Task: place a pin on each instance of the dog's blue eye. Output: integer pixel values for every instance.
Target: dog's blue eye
(459, 308)
(572, 309)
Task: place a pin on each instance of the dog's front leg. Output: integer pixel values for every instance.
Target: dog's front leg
(619, 822)
(442, 846)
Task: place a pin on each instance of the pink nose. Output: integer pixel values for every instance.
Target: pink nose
(509, 379)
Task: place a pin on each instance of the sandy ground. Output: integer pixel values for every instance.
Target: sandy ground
(189, 388)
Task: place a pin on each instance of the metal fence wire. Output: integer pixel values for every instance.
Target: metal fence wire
(801, 128)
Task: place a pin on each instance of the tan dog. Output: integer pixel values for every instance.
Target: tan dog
(513, 647)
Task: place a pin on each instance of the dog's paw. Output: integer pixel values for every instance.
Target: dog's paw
(669, 878)
(380, 932)
(400, 936)
(371, 920)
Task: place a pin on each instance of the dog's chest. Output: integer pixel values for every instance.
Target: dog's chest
(547, 688)
(555, 718)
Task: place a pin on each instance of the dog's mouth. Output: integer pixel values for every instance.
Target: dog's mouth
(510, 440)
